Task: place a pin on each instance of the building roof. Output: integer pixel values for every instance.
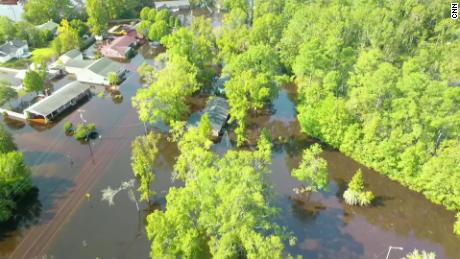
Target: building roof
(58, 99)
(120, 45)
(11, 46)
(71, 54)
(78, 63)
(49, 25)
(104, 65)
(10, 79)
(217, 110)
(181, 4)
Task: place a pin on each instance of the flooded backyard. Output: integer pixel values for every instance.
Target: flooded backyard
(67, 218)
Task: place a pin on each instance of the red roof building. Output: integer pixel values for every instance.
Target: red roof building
(120, 48)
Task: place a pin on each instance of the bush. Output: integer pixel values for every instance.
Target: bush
(113, 78)
(68, 127)
(84, 131)
(355, 194)
(420, 255)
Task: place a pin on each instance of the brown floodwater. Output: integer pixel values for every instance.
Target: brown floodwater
(58, 220)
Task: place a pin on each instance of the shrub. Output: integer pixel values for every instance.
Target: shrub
(420, 255)
(68, 127)
(83, 131)
(355, 194)
(113, 78)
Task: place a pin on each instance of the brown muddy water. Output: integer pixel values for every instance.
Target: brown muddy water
(60, 221)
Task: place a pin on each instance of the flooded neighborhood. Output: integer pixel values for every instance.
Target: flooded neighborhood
(77, 131)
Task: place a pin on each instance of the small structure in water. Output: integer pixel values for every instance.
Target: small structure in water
(53, 105)
(217, 110)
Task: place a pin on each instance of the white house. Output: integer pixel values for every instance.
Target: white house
(14, 49)
(97, 72)
(90, 71)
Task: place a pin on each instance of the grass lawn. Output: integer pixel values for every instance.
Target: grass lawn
(17, 63)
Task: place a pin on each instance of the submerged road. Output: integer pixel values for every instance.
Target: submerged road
(36, 241)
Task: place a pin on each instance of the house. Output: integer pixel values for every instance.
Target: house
(87, 70)
(51, 106)
(70, 55)
(173, 5)
(11, 79)
(121, 47)
(217, 110)
(14, 49)
(97, 72)
(49, 26)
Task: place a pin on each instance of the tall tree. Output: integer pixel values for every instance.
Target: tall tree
(239, 223)
(165, 98)
(144, 154)
(312, 170)
(98, 16)
(40, 11)
(67, 39)
(33, 82)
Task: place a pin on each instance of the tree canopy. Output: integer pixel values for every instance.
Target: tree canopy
(223, 210)
(312, 170)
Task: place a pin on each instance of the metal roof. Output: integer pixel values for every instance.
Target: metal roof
(104, 65)
(58, 99)
(217, 110)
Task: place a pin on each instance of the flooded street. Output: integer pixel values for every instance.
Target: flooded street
(62, 221)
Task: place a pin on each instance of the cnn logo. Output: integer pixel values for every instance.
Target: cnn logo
(454, 11)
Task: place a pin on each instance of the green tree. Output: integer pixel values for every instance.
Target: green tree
(42, 56)
(6, 93)
(267, 29)
(247, 92)
(166, 96)
(144, 14)
(158, 30)
(14, 182)
(6, 141)
(195, 45)
(98, 16)
(7, 29)
(356, 194)
(28, 32)
(33, 82)
(67, 39)
(240, 221)
(144, 154)
(40, 11)
(312, 170)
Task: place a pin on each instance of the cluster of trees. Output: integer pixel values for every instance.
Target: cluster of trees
(188, 68)
(15, 180)
(10, 30)
(250, 57)
(157, 24)
(223, 209)
(100, 12)
(377, 80)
